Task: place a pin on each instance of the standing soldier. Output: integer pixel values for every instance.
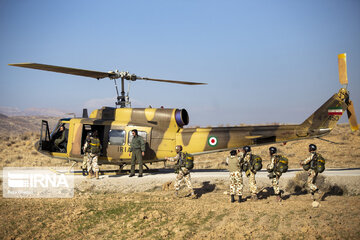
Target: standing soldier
(94, 149)
(236, 181)
(310, 165)
(274, 174)
(245, 156)
(86, 150)
(182, 172)
(138, 151)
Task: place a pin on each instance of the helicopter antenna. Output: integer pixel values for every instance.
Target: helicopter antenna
(122, 100)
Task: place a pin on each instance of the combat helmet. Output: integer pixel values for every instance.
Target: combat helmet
(247, 149)
(272, 150)
(178, 148)
(312, 147)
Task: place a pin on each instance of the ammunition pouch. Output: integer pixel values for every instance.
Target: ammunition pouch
(245, 166)
(306, 167)
(313, 164)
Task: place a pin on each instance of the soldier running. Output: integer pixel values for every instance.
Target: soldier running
(182, 172)
(245, 156)
(236, 181)
(312, 171)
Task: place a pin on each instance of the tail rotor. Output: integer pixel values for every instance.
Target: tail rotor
(344, 82)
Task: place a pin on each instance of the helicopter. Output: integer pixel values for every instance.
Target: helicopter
(164, 128)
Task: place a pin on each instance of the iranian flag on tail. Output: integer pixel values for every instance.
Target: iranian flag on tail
(335, 111)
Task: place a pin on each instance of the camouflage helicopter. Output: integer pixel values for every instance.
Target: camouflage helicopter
(163, 129)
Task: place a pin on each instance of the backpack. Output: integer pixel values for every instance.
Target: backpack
(94, 145)
(320, 166)
(282, 164)
(317, 164)
(188, 161)
(256, 162)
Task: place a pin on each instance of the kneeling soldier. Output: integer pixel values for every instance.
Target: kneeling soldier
(183, 173)
(236, 181)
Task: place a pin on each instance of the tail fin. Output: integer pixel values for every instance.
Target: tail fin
(325, 118)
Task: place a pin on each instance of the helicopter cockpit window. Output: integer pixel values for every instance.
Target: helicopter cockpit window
(117, 137)
(140, 133)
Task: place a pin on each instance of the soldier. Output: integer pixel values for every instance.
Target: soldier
(138, 151)
(245, 157)
(274, 175)
(86, 149)
(312, 172)
(182, 172)
(236, 181)
(94, 147)
(60, 139)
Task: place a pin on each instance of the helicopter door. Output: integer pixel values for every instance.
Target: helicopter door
(145, 133)
(116, 144)
(44, 143)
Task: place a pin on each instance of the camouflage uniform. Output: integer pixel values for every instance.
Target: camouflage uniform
(249, 173)
(276, 176)
(183, 174)
(236, 181)
(312, 174)
(137, 148)
(60, 139)
(92, 158)
(86, 151)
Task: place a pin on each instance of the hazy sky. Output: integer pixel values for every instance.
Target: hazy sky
(264, 61)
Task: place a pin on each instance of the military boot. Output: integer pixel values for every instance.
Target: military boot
(254, 197)
(232, 198)
(278, 197)
(90, 175)
(97, 175)
(193, 195)
(239, 200)
(313, 196)
(84, 172)
(321, 195)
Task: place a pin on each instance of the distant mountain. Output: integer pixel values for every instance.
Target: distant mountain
(14, 111)
(21, 124)
(3, 116)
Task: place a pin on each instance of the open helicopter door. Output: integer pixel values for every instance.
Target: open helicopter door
(44, 143)
(145, 133)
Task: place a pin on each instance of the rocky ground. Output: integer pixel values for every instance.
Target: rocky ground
(112, 210)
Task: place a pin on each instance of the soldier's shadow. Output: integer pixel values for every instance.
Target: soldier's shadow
(205, 188)
(266, 193)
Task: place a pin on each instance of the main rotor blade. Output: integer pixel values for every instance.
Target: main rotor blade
(67, 70)
(342, 69)
(171, 81)
(352, 117)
